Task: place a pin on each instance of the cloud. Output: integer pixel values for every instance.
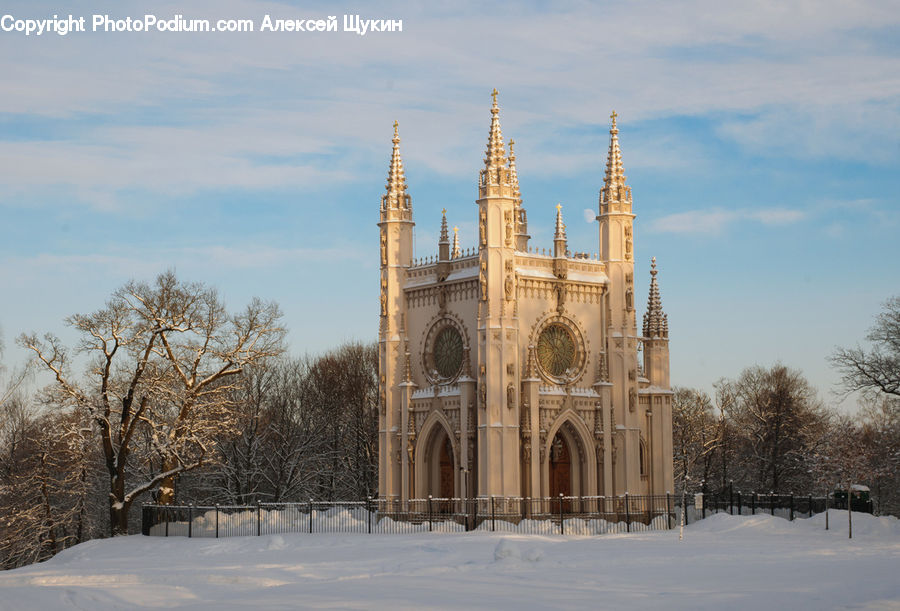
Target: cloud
(716, 220)
(187, 112)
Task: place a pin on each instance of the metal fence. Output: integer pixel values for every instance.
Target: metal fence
(566, 515)
(556, 515)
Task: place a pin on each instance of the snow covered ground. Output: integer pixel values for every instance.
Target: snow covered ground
(730, 562)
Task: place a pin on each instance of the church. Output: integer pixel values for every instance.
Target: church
(508, 370)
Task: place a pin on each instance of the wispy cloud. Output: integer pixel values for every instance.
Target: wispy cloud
(717, 220)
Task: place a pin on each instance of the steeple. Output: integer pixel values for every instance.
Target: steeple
(454, 250)
(559, 238)
(495, 156)
(444, 242)
(656, 323)
(396, 197)
(495, 177)
(614, 187)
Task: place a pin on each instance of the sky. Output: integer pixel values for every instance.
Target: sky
(760, 140)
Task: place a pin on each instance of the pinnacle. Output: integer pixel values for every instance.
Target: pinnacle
(513, 173)
(495, 156)
(614, 188)
(454, 249)
(560, 226)
(656, 323)
(444, 236)
(396, 181)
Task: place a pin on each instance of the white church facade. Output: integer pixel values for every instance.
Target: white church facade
(511, 371)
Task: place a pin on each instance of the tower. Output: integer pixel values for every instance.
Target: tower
(498, 366)
(395, 385)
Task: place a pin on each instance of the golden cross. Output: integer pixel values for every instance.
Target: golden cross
(455, 229)
(613, 116)
(396, 125)
(494, 95)
(444, 211)
(558, 207)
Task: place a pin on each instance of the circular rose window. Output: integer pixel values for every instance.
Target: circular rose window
(448, 352)
(556, 350)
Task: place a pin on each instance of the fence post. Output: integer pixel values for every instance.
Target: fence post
(562, 526)
(258, 520)
(753, 504)
(167, 520)
(791, 519)
(369, 512)
(771, 503)
(826, 513)
(429, 513)
(810, 506)
(310, 516)
(740, 509)
(684, 511)
(492, 513)
(731, 497)
(190, 520)
(627, 515)
(668, 511)
(217, 520)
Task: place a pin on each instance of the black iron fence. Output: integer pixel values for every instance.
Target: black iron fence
(556, 515)
(565, 515)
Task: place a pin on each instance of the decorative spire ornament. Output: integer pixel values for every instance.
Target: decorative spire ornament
(560, 226)
(656, 323)
(454, 250)
(614, 187)
(513, 174)
(396, 196)
(444, 236)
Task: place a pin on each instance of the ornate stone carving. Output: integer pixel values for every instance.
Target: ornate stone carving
(510, 396)
(482, 228)
(383, 248)
(482, 281)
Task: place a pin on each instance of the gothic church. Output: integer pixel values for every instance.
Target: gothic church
(507, 370)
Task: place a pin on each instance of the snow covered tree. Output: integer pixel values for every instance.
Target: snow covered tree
(164, 359)
(877, 369)
(777, 422)
(696, 436)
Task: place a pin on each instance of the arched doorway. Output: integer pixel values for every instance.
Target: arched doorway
(445, 483)
(560, 467)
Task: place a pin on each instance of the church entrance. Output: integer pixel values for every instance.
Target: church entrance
(560, 469)
(446, 469)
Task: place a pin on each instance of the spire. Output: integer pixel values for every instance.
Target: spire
(559, 238)
(454, 250)
(513, 174)
(444, 242)
(495, 157)
(445, 238)
(396, 196)
(656, 323)
(614, 188)
(560, 226)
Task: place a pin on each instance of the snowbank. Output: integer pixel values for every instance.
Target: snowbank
(730, 562)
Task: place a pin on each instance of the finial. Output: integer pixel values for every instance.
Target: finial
(454, 250)
(560, 232)
(444, 237)
(558, 207)
(444, 211)
(613, 117)
(653, 271)
(494, 95)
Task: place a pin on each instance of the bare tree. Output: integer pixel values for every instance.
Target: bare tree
(696, 436)
(778, 420)
(163, 360)
(877, 369)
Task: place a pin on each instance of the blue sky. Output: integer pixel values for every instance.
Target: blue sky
(760, 141)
